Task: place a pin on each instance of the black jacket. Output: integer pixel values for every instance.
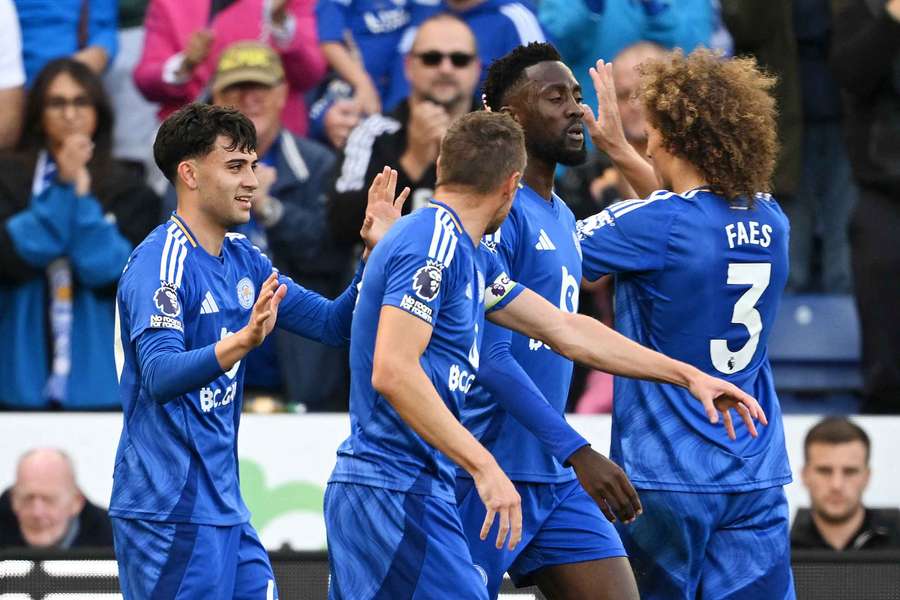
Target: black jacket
(879, 531)
(865, 57)
(378, 141)
(94, 528)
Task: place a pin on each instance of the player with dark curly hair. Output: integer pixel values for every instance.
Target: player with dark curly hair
(700, 267)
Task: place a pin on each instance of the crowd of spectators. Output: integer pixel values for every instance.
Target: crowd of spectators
(339, 88)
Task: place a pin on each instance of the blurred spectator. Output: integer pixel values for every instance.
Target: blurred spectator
(866, 61)
(498, 26)
(45, 508)
(81, 29)
(135, 126)
(359, 40)
(836, 473)
(583, 35)
(184, 40)
(70, 216)
(595, 185)
(443, 70)
(288, 224)
(764, 29)
(827, 193)
(12, 75)
(334, 114)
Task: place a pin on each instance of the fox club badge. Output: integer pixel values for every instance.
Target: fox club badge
(246, 293)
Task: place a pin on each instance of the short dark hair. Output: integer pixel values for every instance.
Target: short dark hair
(191, 132)
(508, 71)
(480, 150)
(833, 431)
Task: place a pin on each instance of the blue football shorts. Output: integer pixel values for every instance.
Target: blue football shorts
(165, 561)
(711, 545)
(390, 545)
(561, 524)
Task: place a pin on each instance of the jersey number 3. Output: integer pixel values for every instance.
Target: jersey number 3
(756, 275)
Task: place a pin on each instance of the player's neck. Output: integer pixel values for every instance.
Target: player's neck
(686, 177)
(838, 535)
(208, 233)
(539, 176)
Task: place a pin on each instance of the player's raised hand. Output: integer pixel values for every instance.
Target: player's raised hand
(607, 484)
(383, 207)
(265, 311)
(606, 128)
(502, 502)
(718, 396)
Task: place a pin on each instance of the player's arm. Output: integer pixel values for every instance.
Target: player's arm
(168, 370)
(512, 388)
(397, 375)
(313, 316)
(607, 134)
(589, 342)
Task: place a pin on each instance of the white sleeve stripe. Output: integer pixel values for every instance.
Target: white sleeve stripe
(448, 258)
(443, 240)
(173, 262)
(436, 235)
(165, 257)
(359, 151)
(181, 256)
(525, 22)
(622, 204)
(624, 212)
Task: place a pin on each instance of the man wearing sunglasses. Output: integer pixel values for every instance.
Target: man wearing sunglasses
(442, 69)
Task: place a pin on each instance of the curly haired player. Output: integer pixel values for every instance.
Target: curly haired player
(700, 267)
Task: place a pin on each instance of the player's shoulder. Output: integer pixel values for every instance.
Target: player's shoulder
(432, 232)
(658, 207)
(164, 255)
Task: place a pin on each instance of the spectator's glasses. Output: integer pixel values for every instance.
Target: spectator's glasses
(433, 58)
(60, 103)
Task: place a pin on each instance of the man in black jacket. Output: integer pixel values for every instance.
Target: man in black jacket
(836, 474)
(865, 57)
(443, 69)
(45, 508)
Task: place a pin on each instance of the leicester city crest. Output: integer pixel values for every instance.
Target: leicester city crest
(427, 281)
(166, 301)
(246, 293)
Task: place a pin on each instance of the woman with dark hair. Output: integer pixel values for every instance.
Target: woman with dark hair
(70, 216)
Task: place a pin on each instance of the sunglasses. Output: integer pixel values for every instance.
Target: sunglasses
(433, 58)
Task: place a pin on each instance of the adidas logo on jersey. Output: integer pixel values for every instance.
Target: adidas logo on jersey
(208, 306)
(544, 242)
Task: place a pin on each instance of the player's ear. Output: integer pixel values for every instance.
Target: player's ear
(511, 185)
(509, 110)
(187, 173)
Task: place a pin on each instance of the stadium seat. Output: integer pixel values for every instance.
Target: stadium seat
(815, 345)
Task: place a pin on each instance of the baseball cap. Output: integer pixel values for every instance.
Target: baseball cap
(247, 62)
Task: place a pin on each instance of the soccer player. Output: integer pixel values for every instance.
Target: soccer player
(393, 526)
(193, 301)
(569, 545)
(700, 267)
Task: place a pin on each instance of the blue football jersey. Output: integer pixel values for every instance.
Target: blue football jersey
(697, 279)
(540, 250)
(177, 461)
(428, 266)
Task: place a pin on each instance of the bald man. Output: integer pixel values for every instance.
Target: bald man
(45, 508)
